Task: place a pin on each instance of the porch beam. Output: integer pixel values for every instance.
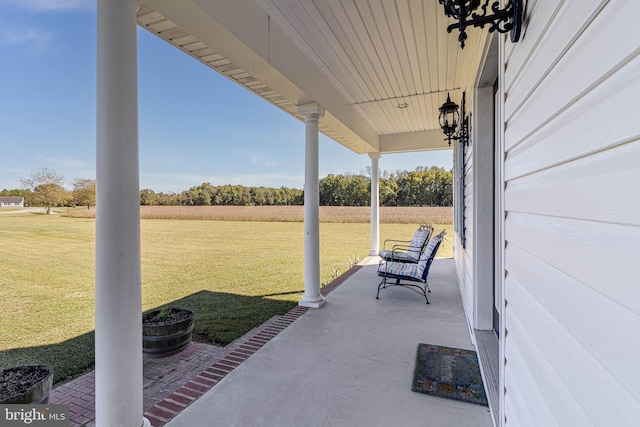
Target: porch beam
(375, 204)
(412, 141)
(312, 298)
(118, 339)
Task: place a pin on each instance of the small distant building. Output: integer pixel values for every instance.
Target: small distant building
(11, 202)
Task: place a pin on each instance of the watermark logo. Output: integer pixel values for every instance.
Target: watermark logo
(34, 415)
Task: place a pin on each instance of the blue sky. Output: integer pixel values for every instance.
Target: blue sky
(195, 126)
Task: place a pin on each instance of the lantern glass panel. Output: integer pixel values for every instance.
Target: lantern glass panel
(449, 117)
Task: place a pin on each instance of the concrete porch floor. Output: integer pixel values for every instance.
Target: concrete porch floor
(349, 363)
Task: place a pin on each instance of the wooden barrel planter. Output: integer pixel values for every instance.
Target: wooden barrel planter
(166, 331)
(26, 384)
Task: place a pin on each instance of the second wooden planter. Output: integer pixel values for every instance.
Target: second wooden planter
(166, 331)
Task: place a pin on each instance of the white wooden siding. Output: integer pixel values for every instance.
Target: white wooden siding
(608, 43)
(572, 229)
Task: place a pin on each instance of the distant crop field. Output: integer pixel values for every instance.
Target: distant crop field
(340, 214)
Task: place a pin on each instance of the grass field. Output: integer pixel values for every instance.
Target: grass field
(234, 274)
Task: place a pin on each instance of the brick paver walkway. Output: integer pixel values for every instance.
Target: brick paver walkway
(172, 383)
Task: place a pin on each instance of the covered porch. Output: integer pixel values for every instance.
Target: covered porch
(350, 363)
(532, 217)
(355, 358)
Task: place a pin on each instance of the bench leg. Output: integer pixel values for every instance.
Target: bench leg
(380, 286)
(414, 287)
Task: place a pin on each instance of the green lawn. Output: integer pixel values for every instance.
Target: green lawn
(235, 275)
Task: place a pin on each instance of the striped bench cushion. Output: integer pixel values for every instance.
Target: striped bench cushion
(403, 269)
(399, 256)
(417, 243)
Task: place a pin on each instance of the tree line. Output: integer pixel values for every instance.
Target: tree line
(228, 195)
(420, 187)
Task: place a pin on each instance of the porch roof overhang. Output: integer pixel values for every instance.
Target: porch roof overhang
(360, 60)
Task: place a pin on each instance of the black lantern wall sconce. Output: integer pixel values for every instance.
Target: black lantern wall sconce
(450, 119)
(502, 20)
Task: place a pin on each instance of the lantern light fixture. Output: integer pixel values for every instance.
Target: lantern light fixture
(450, 118)
(504, 20)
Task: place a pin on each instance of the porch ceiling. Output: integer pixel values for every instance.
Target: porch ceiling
(359, 59)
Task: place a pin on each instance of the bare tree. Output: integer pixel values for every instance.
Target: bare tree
(47, 187)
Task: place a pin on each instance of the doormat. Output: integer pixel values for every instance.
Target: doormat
(447, 372)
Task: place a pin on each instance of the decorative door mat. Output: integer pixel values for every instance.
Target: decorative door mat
(447, 372)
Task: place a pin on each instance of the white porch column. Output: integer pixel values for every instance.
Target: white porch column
(375, 204)
(312, 297)
(118, 283)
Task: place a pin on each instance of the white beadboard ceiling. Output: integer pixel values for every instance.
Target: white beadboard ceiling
(378, 54)
(370, 56)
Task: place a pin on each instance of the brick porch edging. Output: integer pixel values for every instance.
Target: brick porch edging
(176, 402)
(340, 279)
(170, 406)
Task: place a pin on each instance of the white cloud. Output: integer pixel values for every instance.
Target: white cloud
(36, 40)
(256, 158)
(51, 5)
(64, 162)
(269, 138)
